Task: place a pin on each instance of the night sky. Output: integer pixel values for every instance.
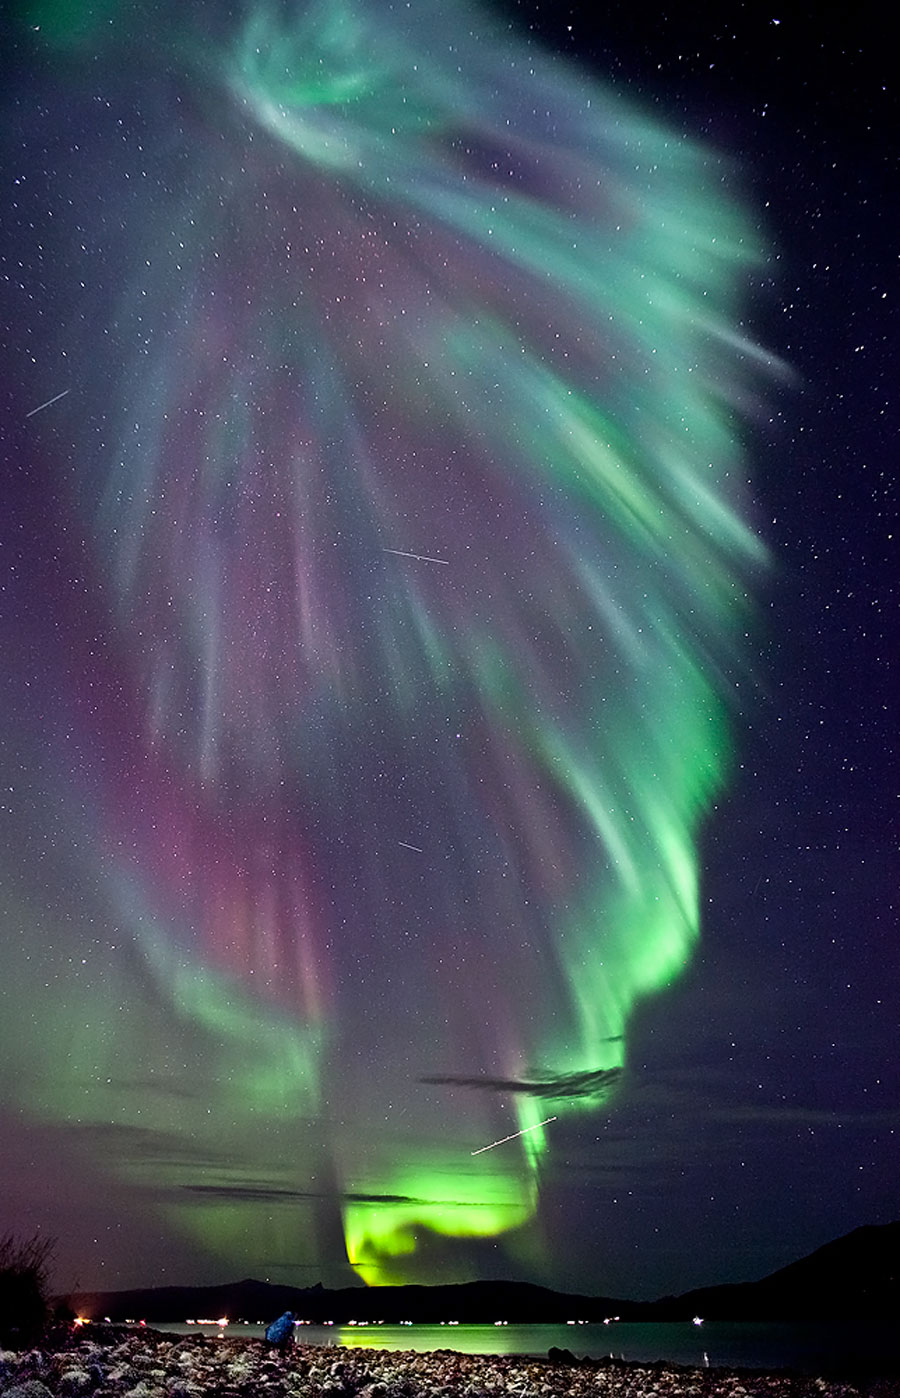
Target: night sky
(448, 607)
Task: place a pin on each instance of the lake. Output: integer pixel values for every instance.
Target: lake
(848, 1345)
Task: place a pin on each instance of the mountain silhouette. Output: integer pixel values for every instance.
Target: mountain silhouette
(854, 1276)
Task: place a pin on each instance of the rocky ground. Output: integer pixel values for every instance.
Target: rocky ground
(116, 1364)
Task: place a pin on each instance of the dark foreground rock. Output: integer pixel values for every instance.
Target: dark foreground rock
(112, 1364)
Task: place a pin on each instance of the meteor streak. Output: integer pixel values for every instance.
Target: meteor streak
(523, 1132)
(50, 401)
(420, 557)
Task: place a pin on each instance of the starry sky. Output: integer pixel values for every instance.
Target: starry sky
(448, 605)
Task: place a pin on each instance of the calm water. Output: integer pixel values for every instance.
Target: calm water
(836, 1345)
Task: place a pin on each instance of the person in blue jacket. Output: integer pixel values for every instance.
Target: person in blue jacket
(281, 1331)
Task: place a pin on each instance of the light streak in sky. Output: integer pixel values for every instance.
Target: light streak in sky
(421, 557)
(406, 846)
(41, 406)
(524, 1132)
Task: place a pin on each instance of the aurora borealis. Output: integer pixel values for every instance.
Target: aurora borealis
(389, 611)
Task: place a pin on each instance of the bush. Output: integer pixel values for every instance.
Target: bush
(24, 1276)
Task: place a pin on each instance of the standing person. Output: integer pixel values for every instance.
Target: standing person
(281, 1331)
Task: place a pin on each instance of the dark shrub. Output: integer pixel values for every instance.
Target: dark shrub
(24, 1273)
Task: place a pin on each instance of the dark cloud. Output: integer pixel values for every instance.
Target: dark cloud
(595, 1083)
(144, 1143)
(264, 1194)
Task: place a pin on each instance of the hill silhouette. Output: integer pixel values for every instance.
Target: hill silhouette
(857, 1275)
(854, 1276)
(471, 1302)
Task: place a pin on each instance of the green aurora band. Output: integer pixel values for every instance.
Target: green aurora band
(397, 284)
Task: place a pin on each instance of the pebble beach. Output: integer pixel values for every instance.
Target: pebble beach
(153, 1365)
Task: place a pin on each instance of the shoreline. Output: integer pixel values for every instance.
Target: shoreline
(152, 1364)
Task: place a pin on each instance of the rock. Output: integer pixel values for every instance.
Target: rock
(75, 1383)
(182, 1388)
(123, 1376)
(561, 1356)
(31, 1388)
